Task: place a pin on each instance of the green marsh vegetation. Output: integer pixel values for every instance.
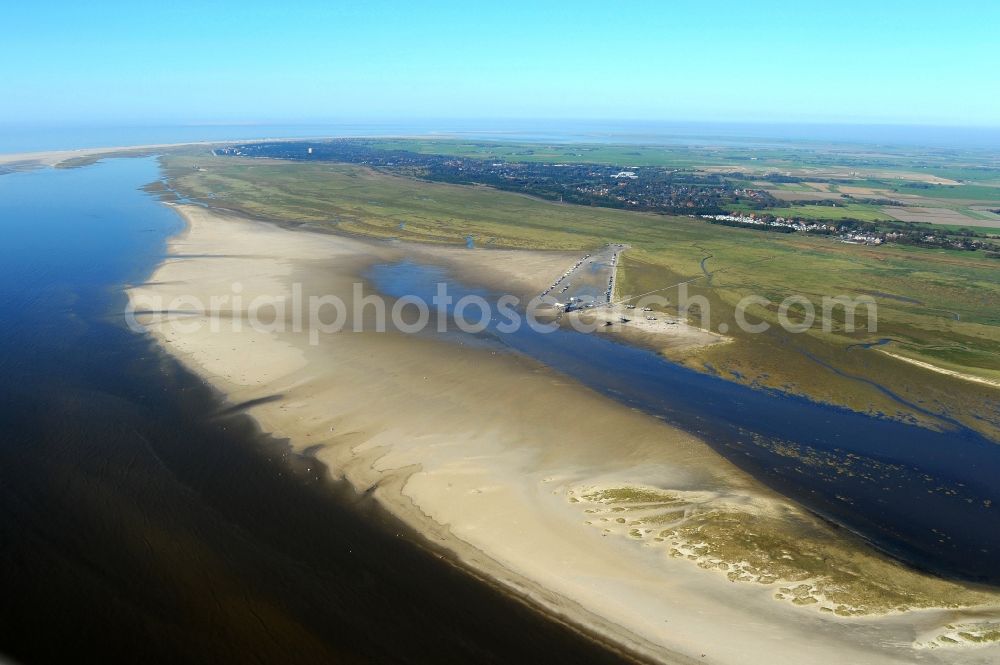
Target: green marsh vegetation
(803, 560)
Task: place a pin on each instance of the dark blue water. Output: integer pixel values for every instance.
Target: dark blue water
(143, 520)
(927, 497)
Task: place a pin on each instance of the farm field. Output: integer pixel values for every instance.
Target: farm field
(863, 212)
(860, 177)
(949, 216)
(798, 159)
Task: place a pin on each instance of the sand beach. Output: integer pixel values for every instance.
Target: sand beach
(623, 525)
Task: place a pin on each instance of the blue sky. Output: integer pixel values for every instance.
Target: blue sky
(207, 62)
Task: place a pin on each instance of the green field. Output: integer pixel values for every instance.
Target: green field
(894, 173)
(863, 212)
(625, 155)
(942, 307)
(953, 192)
(886, 166)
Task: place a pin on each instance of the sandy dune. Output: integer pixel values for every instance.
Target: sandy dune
(941, 370)
(54, 157)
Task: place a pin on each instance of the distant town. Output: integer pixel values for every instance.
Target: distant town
(651, 189)
(852, 232)
(726, 198)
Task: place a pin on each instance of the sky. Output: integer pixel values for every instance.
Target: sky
(915, 62)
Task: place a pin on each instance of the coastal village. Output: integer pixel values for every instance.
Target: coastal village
(793, 225)
(848, 231)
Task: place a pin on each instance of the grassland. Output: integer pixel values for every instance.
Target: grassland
(945, 207)
(955, 192)
(766, 545)
(625, 155)
(940, 307)
(863, 212)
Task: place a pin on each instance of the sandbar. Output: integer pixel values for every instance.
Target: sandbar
(604, 516)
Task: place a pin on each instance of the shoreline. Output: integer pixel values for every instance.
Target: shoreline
(163, 525)
(53, 158)
(941, 370)
(492, 466)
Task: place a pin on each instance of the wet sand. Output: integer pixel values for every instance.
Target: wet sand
(661, 332)
(20, 160)
(941, 370)
(530, 479)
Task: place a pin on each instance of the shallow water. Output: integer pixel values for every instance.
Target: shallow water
(144, 521)
(928, 498)
(870, 345)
